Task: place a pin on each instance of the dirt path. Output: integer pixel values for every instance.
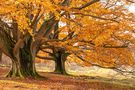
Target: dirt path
(56, 82)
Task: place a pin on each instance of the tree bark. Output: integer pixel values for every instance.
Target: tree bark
(24, 67)
(60, 63)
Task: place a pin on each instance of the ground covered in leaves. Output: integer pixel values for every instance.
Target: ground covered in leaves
(60, 82)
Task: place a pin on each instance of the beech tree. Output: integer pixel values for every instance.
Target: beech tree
(92, 30)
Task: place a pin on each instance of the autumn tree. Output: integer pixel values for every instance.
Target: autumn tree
(92, 30)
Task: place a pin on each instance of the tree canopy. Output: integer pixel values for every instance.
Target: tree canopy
(98, 32)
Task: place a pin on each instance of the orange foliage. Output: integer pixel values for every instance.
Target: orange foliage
(98, 30)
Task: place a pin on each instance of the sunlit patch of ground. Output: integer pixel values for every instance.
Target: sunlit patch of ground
(99, 79)
(60, 82)
(77, 70)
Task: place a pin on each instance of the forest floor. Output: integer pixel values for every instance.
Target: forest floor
(60, 82)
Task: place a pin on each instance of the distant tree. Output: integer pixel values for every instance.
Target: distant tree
(92, 30)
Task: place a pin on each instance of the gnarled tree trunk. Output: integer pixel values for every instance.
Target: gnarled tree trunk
(22, 62)
(24, 66)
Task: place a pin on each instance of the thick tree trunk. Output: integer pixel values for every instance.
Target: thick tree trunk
(24, 67)
(60, 66)
(60, 63)
(23, 60)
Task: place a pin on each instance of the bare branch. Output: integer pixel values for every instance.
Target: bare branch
(110, 46)
(46, 58)
(46, 51)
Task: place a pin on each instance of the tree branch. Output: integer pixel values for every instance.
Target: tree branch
(46, 58)
(69, 36)
(45, 47)
(46, 51)
(93, 63)
(66, 3)
(97, 17)
(87, 4)
(106, 46)
(106, 67)
(110, 46)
